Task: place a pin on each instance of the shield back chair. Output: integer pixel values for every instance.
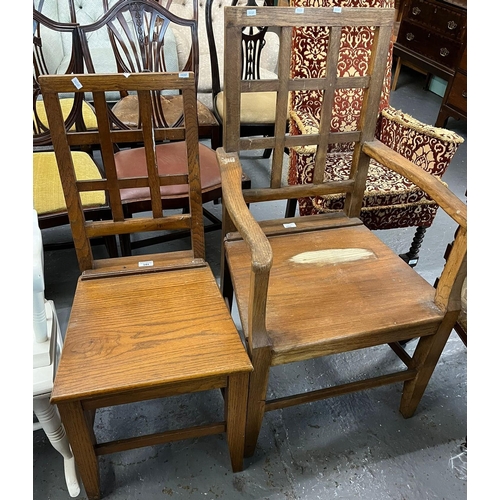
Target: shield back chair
(312, 286)
(140, 32)
(147, 37)
(149, 326)
(51, 40)
(47, 343)
(258, 46)
(56, 50)
(390, 201)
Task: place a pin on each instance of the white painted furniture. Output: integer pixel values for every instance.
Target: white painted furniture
(47, 344)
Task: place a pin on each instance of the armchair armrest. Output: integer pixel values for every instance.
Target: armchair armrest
(448, 291)
(438, 191)
(252, 234)
(429, 147)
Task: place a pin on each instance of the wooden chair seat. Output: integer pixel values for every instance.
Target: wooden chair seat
(308, 265)
(182, 346)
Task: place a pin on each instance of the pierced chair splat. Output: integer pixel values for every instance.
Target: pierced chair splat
(258, 48)
(147, 37)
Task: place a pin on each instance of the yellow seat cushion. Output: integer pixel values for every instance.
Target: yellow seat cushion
(256, 108)
(89, 117)
(48, 196)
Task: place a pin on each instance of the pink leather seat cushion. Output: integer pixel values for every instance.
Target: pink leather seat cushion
(171, 159)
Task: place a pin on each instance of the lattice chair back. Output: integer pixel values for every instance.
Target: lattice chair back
(309, 47)
(150, 182)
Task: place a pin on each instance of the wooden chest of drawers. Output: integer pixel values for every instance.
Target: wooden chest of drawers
(455, 98)
(431, 35)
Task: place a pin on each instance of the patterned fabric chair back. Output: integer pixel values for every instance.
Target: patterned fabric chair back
(308, 60)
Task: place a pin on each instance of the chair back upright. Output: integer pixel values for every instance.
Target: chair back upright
(370, 85)
(108, 135)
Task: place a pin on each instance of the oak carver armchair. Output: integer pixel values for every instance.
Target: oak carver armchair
(318, 285)
(149, 326)
(390, 201)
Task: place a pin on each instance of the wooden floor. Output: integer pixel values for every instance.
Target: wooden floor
(355, 446)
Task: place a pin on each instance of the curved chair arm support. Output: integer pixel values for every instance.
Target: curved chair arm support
(455, 270)
(432, 148)
(252, 234)
(247, 226)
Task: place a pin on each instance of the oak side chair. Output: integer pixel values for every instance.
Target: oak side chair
(149, 326)
(319, 285)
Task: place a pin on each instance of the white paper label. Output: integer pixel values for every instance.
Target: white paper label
(77, 83)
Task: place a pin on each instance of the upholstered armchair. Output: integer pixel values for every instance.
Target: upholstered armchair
(390, 201)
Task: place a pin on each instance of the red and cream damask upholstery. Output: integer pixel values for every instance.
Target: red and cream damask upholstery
(390, 201)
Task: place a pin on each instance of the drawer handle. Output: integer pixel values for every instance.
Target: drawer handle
(452, 25)
(410, 36)
(464, 94)
(444, 52)
(416, 11)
